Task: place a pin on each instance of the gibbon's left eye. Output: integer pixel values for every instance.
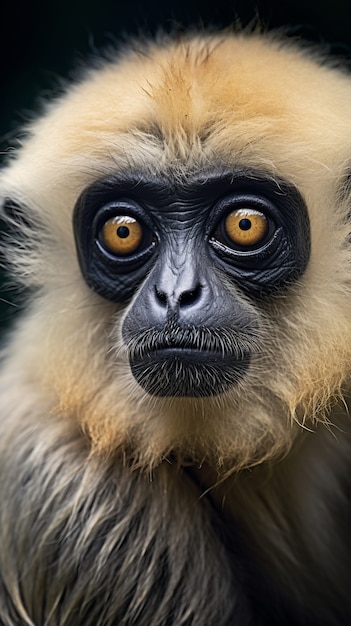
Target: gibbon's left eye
(243, 228)
(121, 235)
(246, 227)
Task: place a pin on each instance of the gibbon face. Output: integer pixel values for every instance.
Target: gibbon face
(186, 234)
(163, 247)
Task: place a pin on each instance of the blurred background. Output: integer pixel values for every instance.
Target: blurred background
(42, 40)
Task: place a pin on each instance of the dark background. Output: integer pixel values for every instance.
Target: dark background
(41, 40)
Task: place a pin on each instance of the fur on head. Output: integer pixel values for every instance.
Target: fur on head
(178, 107)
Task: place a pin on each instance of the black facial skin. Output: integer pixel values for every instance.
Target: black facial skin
(189, 331)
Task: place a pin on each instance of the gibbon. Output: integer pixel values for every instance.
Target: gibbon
(174, 436)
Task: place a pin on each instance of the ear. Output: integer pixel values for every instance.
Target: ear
(14, 214)
(11, 215)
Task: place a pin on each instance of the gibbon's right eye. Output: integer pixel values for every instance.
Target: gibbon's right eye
(116, 240)
(121, 235)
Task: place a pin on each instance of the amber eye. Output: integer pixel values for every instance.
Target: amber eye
(121, 234)
(246, 227)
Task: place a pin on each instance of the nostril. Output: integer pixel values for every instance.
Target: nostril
(173, 300)
(187, 298)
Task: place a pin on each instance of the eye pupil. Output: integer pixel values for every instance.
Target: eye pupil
(245, 224)
(123, 232)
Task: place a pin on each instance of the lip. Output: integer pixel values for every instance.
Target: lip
(193, 355)
(187, 372)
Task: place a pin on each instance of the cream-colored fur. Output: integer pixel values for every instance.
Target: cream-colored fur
(179, 107)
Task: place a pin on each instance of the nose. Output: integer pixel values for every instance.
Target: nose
(180, 286)
(179, 299)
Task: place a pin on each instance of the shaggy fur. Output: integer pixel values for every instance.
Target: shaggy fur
(119, 508)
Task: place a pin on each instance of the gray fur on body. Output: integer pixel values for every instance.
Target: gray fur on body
(91, 543)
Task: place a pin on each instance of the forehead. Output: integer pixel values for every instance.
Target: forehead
(245, 100)
(200, 84)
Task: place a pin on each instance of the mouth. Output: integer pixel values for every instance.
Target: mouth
(176, 371)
